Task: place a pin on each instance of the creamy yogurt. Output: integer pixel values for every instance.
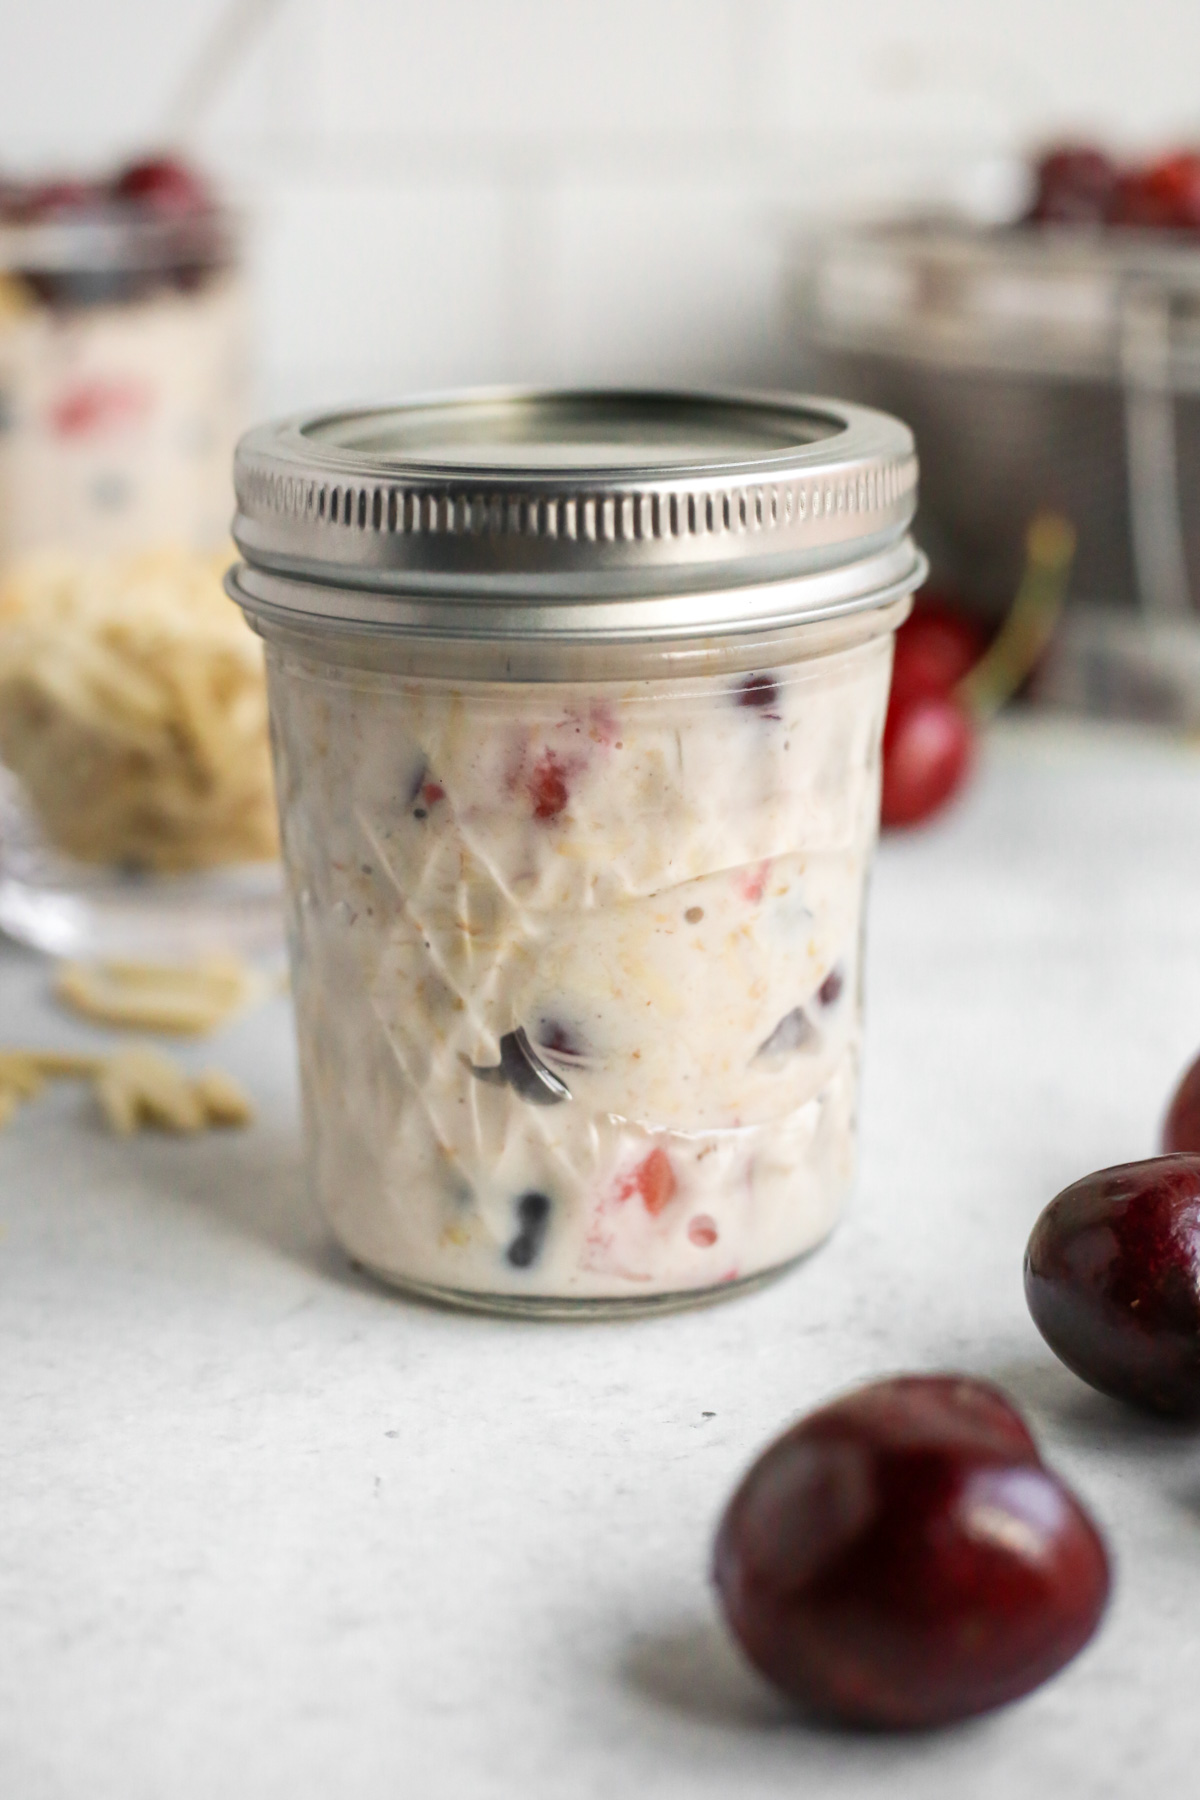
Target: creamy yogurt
(578, 967)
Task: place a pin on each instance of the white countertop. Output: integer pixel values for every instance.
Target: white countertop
(268, 1530)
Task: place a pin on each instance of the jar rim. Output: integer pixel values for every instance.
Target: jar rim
(555, 505)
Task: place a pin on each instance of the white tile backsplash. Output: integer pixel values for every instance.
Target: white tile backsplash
(468, 190)
(525, 67)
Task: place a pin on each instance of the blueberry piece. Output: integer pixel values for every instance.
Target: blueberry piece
(522, 1070)
(795, 1031)
(533, 1219)
(417, 782)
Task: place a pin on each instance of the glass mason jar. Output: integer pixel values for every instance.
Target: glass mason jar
(577, 703)
(136, 813)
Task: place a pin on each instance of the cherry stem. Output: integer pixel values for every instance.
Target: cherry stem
(1025, 633)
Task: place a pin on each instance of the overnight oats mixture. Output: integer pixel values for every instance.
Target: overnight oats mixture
(577, 704)
(578, 966)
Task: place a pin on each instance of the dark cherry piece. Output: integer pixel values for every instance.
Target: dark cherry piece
(1112, 1277)
(928, 749)
(163, 185)
(1075, 186)
(830, 990)
(553, 1037)
(902, 1558)
(760, 692)
(1181, 1127)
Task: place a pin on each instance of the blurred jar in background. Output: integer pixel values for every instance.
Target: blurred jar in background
(136, 815)
(122, 363)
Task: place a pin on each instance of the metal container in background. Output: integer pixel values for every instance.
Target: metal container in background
(1039, 368)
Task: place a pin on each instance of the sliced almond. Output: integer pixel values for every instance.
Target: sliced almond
(224, 1102)
(142, 1086)
(186, 1001)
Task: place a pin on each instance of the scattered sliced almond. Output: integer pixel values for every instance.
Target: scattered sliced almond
(187, 1001)
(223, 1100)
(135, 1086)
(141, 1086)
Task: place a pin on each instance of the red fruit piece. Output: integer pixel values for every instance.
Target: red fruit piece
(903, 1558)
(935, 647)
(548, 786)
(702, 1231)
(1181, 1127)
(1163, 197)
(93, 407)
(1112, 1278)
(653, 1179)
(1075, 185)
(760, 692)
(928, 749)
(164, 185)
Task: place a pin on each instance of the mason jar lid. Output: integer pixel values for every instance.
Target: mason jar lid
(618, 515)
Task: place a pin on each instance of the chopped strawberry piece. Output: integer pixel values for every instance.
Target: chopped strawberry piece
(653, 1179)
(548, 786)
(431, 793)
(753, 882)
(703, 1231)
(98, 406)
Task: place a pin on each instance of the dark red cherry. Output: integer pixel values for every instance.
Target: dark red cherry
(935, 647)
(1181, 1127)
(1112, 1277)
(928, 749)
(760, 692)
(1075, 184)
(903, 1558)
(163, 184)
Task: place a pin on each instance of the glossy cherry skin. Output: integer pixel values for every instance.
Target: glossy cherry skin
(1181, 1127)
(935, 647)
(928, 750)
(902, 1558)
(1112, 1277)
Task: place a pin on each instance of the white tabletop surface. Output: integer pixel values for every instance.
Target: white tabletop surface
(268, 1530)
